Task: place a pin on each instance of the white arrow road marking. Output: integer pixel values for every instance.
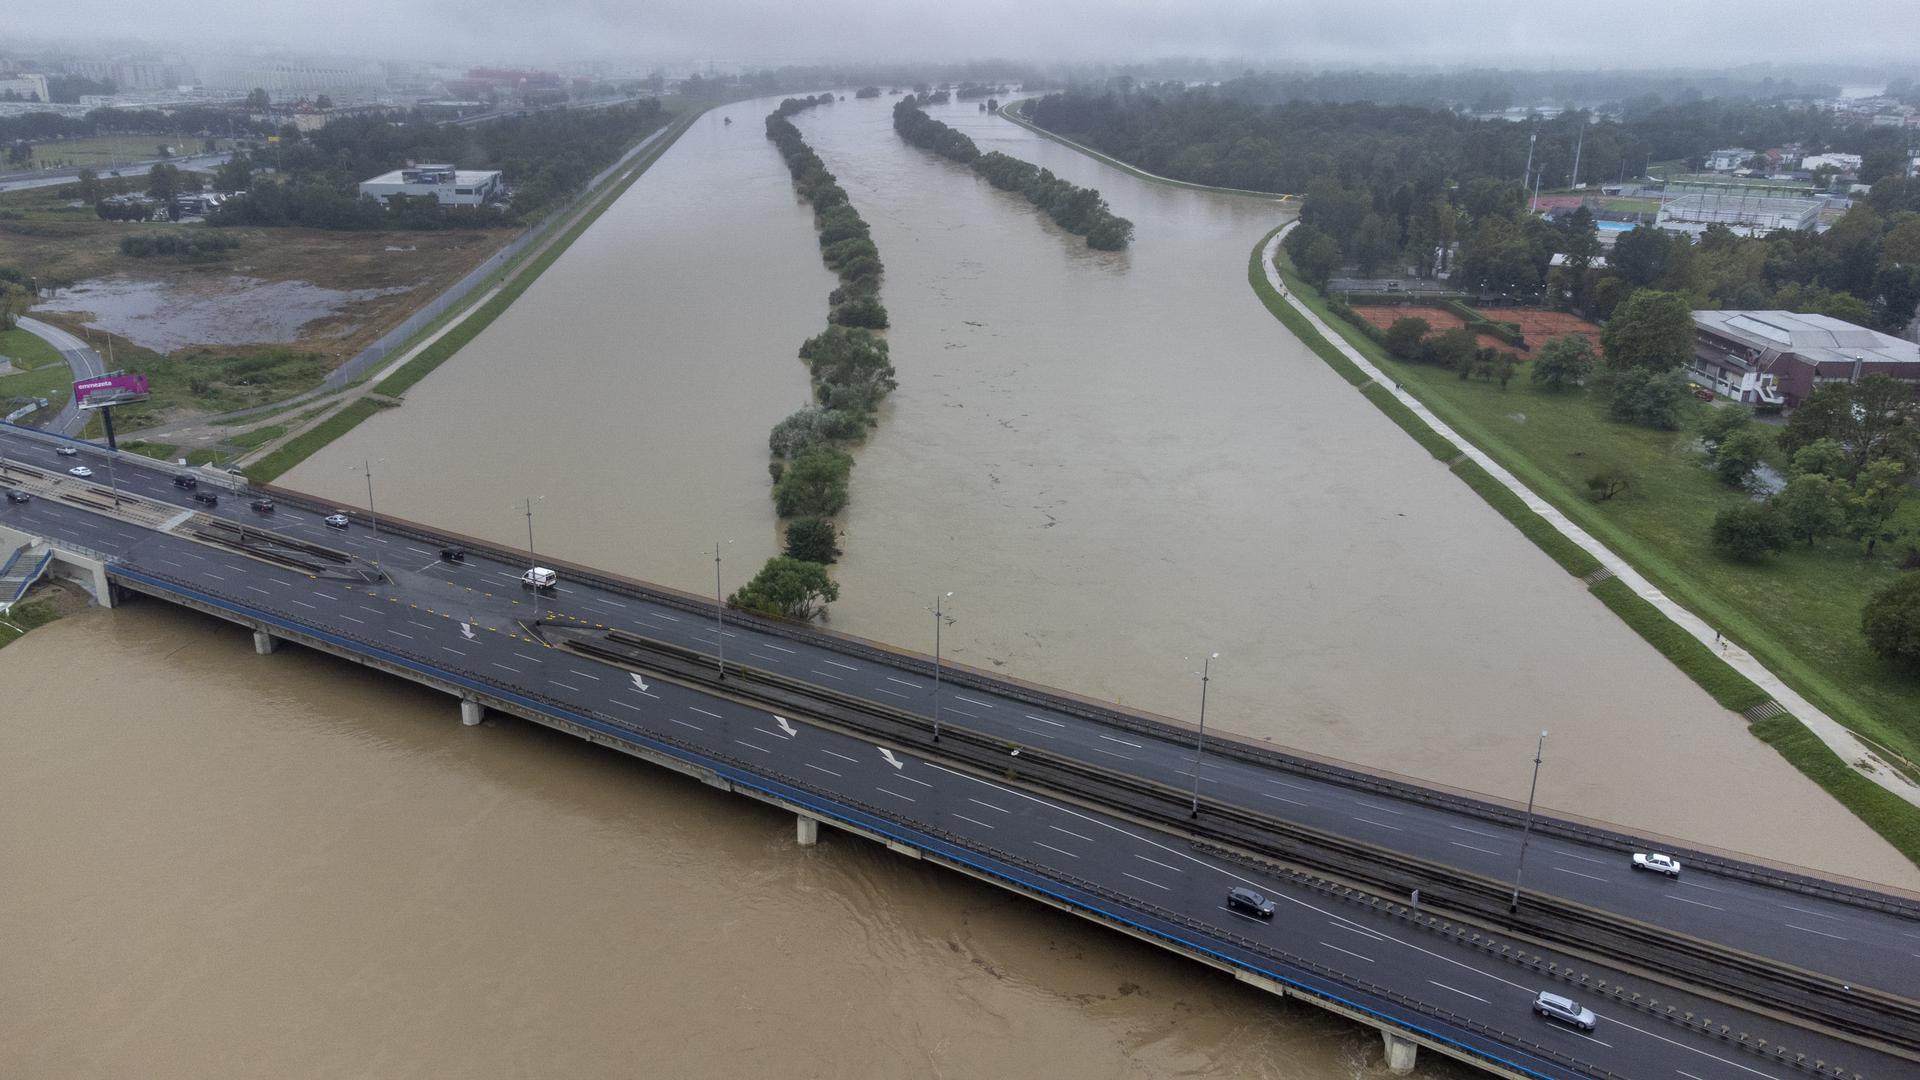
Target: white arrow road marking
(467, 630)
(891, 760)
(787, 726)
(639, 683)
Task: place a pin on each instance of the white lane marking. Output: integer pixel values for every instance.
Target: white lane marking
(1582, 858)
(825, 674)
(1349, 952)
(1470, 847)
(1111, 753)
(897, 795)
(1695, 903)
(764, 656)
(356, 622)
(584, 675)
(1158, 863)
(774, 734)
(962, 712)
(1036, 731)
(524, 656)
(1684, 1046)
(776, 648)
(1589, 1038)
(421, 625)
(838, 664)
(628, 705)
(1382, 809)
(466, 631)
(1577, 873)
(1380, 824)
(1687, 1074)
(1122, 742)
(976, 821)
(1709, 888)
(1282, 798)
(1043, 720)
(503, 667)
(988, 805)
(689, 723)
(169, 562)
(762, 749)
(259, 590)
(324, 596)
(715, 715)
(891, 760)
(455, 652)
(609, 603)
(903, 682)
(409, 637)
(1461, 992)
(1809, 930)
(1477, 832)
(1070, 832)
(837, 754)
(1362, 931)
(656, 614)
(214, 576)
(1815, 914)
(1145, 881)
(564, 686)
(364, 607)
(230, 566)
(1050, 847)
(422, 551)
(970, 701)
(304, 604)
(1296, 787)
(884, 690)
(639, 683)
(911, 780)
(787, 726)
(817, 768)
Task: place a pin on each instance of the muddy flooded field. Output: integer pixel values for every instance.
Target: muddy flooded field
(230, 310)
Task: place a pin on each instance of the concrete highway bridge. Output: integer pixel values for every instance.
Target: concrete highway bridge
(1392, 897)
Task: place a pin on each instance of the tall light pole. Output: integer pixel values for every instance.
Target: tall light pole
(1513, 903)
(533, 584)
(719, 611)
(373, 519)
(1200, 744)
(939, 617)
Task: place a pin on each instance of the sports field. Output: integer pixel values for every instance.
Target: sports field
(1536, 326)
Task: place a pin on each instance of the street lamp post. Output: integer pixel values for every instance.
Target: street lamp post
(534, 584)
(1513, 903)
(373, 519)
(719, 613)
(939, 617)
(1200, 744)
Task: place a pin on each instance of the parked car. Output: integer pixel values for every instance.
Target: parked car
(337, 521)
(454, 554)
(262, 504)
(206, 498)
(1658, 863)
(65, 451)
(540, 578)
(1248, 902)
(1564, 1009)
(14, 495)
(185, 482)
(81, 471)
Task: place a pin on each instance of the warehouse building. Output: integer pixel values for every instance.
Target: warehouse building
(1776, 358)
(451, 186)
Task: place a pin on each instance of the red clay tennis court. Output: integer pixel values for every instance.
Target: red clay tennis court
(1538, 327)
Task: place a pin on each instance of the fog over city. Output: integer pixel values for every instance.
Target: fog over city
(1493, 33)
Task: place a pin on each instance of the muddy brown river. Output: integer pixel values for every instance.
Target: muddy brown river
(241, 865)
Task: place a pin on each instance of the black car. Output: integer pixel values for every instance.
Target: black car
(185, 482)
(1248, 902)
(207, 498)
(14, 496)
(263, 504)
(453, 554)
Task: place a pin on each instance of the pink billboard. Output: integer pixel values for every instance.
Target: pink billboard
(109, 387)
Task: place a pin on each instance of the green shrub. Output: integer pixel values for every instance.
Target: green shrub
(815, 483)
(813, 539)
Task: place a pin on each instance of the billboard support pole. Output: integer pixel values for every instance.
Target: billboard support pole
(106, 417)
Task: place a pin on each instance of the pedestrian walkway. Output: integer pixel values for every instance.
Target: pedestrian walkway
(81, 359)
(1862, 758)
(18, 573)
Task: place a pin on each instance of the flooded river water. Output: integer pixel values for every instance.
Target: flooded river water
(1115, 461)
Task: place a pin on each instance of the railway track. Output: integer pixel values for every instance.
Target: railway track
(1883, 1021)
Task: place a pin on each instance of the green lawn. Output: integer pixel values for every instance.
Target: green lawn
(42, 373)
(24, 617)
(105, 152)
(1799, 613)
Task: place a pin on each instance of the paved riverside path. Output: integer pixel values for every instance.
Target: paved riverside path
(1830, 731)
(457, 624)
(80, 356)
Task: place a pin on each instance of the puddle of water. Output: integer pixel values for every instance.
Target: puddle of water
(166, 315)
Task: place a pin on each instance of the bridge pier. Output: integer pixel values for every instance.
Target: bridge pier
(264, 643)
(806, 830)
(1400, 1052)
(471, 711)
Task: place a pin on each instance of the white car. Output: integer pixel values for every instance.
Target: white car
(337, 521)
(65, 451)
(1659, 864)
(1564, 1009)
(81, 470)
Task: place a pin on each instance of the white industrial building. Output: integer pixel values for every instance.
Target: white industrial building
(26, 87)
(1729, 159)
(1841, 162)
(451, 186)
(1748, 215)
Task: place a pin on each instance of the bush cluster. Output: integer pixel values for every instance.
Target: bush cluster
(195, 246)
(1078, 210)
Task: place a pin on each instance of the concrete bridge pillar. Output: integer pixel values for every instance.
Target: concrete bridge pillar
(471, 711)
(264, 643)
(806, 830)
(1400, 1051)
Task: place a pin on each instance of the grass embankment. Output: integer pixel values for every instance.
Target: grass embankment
(104, 153)
(302, 446)
(524, 273)
(1798, 614)
(27, 616)
(40, 372)
(1017, 113)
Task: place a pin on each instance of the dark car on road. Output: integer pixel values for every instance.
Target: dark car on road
(1248, 902)
(185, 482)
(453, 554)
(206, 498)
(14, 496)
(263, 504)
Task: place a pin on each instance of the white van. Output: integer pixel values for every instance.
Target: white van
(540, 578)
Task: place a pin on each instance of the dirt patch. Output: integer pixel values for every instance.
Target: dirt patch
(1537, 327)
(1440, 319)
(179, 313)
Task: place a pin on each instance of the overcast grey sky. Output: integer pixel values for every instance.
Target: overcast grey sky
(1484, 33)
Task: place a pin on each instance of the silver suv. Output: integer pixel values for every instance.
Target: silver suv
(1564, 1009)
